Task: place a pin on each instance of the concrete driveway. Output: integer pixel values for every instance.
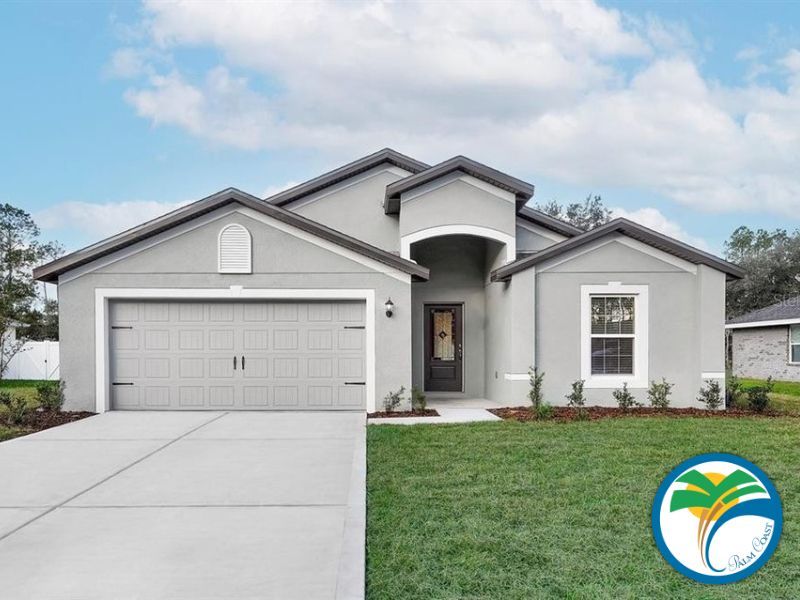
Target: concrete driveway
(239, 505)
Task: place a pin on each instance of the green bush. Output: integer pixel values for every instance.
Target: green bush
(535, 393)
(544, 411)
(393, 399)
(758, 397)
(734, 392)
(418, 400)
(17, 408)
(624, 398)
(577, 400)
(658, 393)
(50, 395)
(711, 395)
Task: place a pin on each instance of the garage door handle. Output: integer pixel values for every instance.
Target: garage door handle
(234, 363)
(355, 383)
(242, 362)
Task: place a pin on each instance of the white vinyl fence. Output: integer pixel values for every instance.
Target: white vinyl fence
(36, 360)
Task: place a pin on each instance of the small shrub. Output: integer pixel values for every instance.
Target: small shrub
(624, 398)
(758, 397)
(577, 400)
(535, 393)
(711, 395)
(734, 392)
(544, 411)
(50, 395)
(418, 400)
(393, 399)
(658, 393)
(17, 409)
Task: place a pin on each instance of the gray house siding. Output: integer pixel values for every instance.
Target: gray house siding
(685, 325)
(356, 208)
(280, 260)
(532, 241)
(762, 352)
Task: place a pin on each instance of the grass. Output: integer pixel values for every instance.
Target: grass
(17, 387)
(785, 395)
(551, 510)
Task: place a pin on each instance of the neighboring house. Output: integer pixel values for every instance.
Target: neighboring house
(766, 342)
(383, 273)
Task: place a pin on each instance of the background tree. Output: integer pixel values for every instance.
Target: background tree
(586, 215)
(20, 251)
(771, 261)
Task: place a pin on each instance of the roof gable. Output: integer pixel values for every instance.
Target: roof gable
(521, 190)
(387, 155)
(552, 223)
(52, 270)
(632, 230)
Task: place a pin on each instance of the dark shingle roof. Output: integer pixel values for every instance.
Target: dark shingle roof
(786, 309)
(629, 229)
(552, 223)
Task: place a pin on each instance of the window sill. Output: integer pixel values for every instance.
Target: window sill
(611, 382)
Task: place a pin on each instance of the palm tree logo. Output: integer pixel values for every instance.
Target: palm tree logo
(708, 496)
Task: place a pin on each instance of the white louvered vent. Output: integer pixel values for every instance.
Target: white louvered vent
(234, 250)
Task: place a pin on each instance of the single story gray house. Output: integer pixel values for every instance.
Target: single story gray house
(383, 273)
(766, 342)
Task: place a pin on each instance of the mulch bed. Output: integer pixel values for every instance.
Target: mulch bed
(428, 412)
(40, 420)
(594, 413)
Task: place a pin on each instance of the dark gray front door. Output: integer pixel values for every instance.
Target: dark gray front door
(443, 348)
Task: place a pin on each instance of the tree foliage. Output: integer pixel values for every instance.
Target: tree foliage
(585, 215)
(771, 261)
(20, 251)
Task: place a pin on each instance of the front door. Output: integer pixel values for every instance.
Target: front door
(443, 348)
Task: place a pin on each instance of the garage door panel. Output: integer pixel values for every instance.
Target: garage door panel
(289, 355)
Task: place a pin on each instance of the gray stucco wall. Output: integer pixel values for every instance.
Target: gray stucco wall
(458, 275)
(280, 260)
(685, 328)
(356, 208)
(531, 241)
(457, 203)
(763, 352)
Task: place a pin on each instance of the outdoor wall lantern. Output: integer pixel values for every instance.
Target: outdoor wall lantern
(389, 307)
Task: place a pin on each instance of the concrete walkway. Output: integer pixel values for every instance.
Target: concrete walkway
(186, 506)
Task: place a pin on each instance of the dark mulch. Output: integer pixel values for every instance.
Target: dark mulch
(428, 412)
(564, 414)
(40, 420)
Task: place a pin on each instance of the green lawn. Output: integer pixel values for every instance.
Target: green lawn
(18, 387)
(785, 395)
(510, 510)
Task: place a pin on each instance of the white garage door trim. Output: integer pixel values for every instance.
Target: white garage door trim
(103, 295)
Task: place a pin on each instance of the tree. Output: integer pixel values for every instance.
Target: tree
(41, 323)
(587, 215)
(20, 251)
(771, 261)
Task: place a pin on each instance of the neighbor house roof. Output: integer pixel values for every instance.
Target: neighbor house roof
(551, 223)
(52, 270)
(387, 155)
(784, 312)
(522, 190)
(629, 229)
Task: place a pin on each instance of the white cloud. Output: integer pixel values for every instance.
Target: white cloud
(100, 220)
(654, 219)
(274, 189)
(535, 88)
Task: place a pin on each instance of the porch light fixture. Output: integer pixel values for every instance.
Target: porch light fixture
(389, 307)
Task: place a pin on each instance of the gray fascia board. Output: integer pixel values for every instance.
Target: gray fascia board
(548, 222)
(523, 191)
(52, 270)
(632, 230)
(387, 155)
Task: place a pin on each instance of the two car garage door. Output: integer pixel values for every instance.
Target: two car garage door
(237, 355)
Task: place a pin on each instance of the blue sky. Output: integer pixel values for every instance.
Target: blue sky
(683, 115)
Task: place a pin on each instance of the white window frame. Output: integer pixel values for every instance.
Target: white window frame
(243, 270)
(639, 378)
(791, 362)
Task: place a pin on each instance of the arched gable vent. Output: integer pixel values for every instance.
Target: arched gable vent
(235, 253)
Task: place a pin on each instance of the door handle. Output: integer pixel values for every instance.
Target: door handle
(234, 363)
(460, 352)
(242, 362)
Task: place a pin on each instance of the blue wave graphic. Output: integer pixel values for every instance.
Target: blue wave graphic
(768, 508)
